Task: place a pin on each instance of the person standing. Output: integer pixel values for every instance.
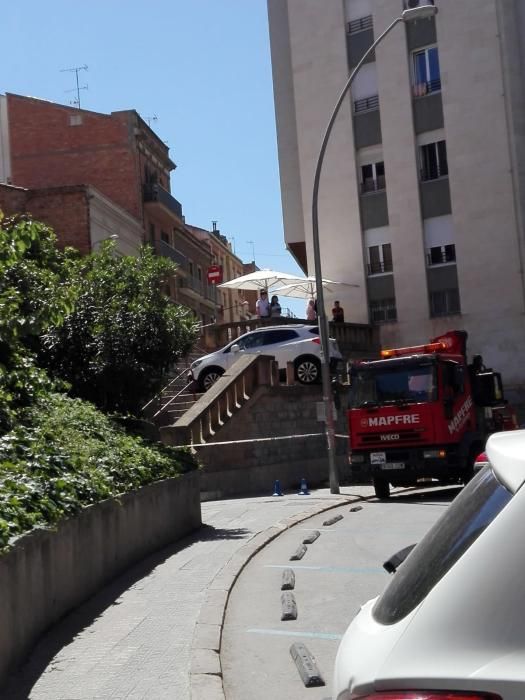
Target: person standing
(262, 306)
(311, 314)
(338, 314)
(275, 307)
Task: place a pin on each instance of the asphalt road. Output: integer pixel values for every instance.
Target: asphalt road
(339, 572)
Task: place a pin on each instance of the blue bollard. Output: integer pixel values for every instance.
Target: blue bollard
(303, 490)
(277, 488)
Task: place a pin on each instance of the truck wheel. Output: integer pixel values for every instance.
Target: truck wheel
(381, 487)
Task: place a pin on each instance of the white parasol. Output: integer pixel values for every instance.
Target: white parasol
(305, 288)
(260, 279)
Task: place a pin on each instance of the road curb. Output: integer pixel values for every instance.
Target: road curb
(205, 678)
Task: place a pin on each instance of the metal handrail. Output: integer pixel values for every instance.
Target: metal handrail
(158, 396)
(165, 406)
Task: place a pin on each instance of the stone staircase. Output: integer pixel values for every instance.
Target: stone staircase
(177, 395)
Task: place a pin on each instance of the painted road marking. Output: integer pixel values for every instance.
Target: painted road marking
(332, 569)
(286, 633)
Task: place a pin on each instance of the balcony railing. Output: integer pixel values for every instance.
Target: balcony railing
(359, 25)
(167, 251)
(422, 89)
(366, 103)
(153, 192)
(375, 268)
(434, 172)
(373, 184)
(440, 257)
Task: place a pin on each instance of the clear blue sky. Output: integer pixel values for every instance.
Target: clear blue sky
(201, 66)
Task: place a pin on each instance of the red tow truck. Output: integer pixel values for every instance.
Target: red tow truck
(421, 413)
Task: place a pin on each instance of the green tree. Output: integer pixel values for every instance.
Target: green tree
(123, 334)
(34, 295)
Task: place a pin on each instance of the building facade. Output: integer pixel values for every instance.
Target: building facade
(232, 305)
(422, 192)
(93, 176)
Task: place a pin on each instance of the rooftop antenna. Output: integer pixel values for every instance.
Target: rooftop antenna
(154, 118)
(253, 249)
(78, 87)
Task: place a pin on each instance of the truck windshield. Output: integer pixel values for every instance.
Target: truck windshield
(373, 386)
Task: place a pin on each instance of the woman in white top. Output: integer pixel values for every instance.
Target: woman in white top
(311, 314)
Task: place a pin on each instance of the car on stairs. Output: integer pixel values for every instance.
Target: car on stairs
(295, 343)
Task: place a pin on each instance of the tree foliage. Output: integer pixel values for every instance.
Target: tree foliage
(34, 295)
(123, 333)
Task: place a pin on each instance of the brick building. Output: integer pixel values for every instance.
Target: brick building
(232, 304)
(60, 156)
(80, 215)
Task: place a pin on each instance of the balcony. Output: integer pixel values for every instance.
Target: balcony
(377, 184)
(153, 192)
(167, 251)
(376, 268)
(366, 103)
(437, 256)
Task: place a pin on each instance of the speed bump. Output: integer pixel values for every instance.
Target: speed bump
(306, 666)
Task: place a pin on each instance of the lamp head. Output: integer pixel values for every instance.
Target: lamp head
(420, 12)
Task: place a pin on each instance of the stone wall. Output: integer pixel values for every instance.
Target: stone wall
(50, 572)
(284, 414)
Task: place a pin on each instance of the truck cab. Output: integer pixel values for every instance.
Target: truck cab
(420, 413)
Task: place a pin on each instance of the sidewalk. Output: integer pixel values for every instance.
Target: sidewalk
(139, 638)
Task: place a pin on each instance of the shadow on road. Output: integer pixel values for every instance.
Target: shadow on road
(20, 683)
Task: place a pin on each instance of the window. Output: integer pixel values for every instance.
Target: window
(471, 512)
(199, 273)
(441, 254)
(190, 265)
(379, 258)
(366, 103)
(165, 237)
(253, 340)
(280, 336)
(383, 311)
(433, 160)
(359, 25)
(152, 232)
(373, 177)
(445, 302)
(426, 73)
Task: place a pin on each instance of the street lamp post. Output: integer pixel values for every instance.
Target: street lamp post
(422, 12)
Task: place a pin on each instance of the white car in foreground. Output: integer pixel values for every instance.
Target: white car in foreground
(451, 623)
(296, 343)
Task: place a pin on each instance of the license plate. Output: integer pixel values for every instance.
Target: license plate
(377, 457)
(393, 465)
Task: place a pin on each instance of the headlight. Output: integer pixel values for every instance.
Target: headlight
(434, 454)
(195, 364)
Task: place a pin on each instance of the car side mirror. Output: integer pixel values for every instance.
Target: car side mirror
(235, 348)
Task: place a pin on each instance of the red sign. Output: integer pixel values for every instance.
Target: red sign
(215, 274)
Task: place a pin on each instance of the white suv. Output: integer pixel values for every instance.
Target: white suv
(299, 344)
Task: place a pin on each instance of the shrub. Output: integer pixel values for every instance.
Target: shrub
(68, 455)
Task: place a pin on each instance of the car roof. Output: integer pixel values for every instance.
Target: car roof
(506, 453)
(292, 326)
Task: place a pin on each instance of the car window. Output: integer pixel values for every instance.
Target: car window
(314, 330)
(466, 518)
(279, 336)
(253, 340)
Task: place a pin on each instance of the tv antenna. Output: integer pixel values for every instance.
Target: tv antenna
(154, 118)
(78, 87)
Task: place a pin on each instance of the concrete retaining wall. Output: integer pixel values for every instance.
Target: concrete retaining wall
(50, 572)
(252, 467)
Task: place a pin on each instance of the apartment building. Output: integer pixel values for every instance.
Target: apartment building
(94, 176)
(232, 305)
(421, 197)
